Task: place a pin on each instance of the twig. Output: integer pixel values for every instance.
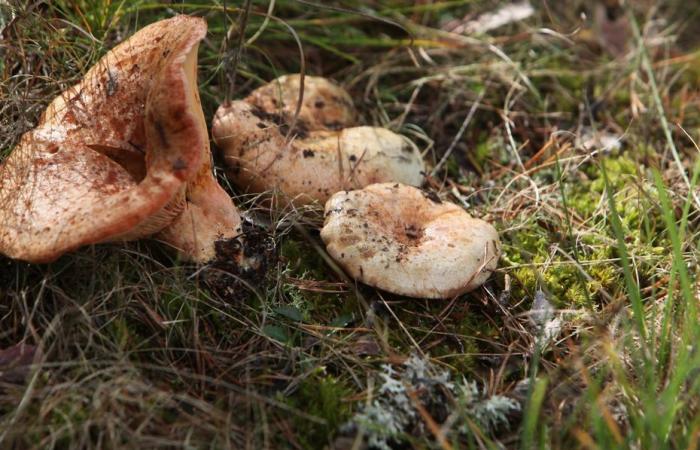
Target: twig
(460, 132)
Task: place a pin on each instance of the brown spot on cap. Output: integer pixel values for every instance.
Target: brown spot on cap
(427, 249)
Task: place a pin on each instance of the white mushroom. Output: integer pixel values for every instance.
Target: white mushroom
(326, 106)
(403, 240)
(314, 164)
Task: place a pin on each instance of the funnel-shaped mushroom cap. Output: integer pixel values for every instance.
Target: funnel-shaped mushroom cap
(313, 165)
(400, 239)
(110, 157)
(326, 106)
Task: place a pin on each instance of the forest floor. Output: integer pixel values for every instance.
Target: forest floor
(571, 129)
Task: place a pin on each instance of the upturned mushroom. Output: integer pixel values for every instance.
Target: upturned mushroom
(122, 155)
(403, 240)
(325, 154)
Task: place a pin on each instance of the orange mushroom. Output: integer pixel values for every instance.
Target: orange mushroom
(122, 155)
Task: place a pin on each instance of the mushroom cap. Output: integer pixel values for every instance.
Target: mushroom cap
(325, 106)
(403, 240)
(313, 165)
(111, 156)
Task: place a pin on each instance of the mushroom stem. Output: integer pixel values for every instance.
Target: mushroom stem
(208, 217)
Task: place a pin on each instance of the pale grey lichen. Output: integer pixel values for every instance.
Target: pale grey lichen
(487, 411)
(392, 414)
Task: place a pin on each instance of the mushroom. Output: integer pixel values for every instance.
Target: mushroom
(122, 155)
(403, 240)
(325, 106)
(325, 154)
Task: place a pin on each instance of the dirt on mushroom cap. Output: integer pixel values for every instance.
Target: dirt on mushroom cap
(402, 240)
(325, 106)
(112, 155)
(315, 164)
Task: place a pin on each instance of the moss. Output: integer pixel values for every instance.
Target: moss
(571, 82)
(303, 260)
(452, 168)
(539, 267)
(563, 281)
(605, 276)
(584, 196)
(636, 204)
(484, 149)
(469, 330)
(527, 244)
(620, 105)
(466, 328)
(462, 359)
(304, 263)
(325, 397)
(563, 91)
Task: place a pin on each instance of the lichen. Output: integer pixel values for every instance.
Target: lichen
(393, 415)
